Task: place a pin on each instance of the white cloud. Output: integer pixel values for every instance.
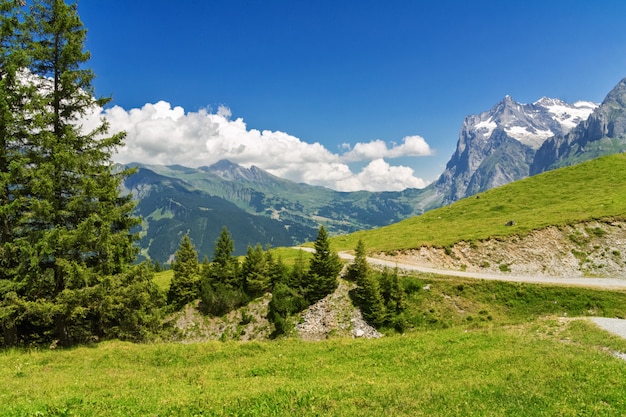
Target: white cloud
(379, 176)
(160, 134)
(411, 146)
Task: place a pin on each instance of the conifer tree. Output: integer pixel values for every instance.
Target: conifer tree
(186, 279)
(277, 270)
(367, 294)
(13, 123)
(359, 266)
(68, 225)
(254, 271)
(222, 287)
(394, 298)
(225, 267)
(298, 274)
(324, 268)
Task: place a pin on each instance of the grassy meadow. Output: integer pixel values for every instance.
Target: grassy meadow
(588, 191)
(545, 367)
(480, 348)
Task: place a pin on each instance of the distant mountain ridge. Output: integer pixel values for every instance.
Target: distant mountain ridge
(507, 143)
(255, 206)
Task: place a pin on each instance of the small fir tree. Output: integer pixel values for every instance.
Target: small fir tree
(367, 294)
(186, 279)
(254, 272)
(324, 268)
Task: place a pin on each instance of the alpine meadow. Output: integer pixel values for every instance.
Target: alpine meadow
(139, 290)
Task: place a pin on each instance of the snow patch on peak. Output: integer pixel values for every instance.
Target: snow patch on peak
(486, 127)
(568, 116)
(528, 135)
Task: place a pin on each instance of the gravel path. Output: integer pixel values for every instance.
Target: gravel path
(615, 326)
(606, 283)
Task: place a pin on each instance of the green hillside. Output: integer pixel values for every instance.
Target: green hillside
(591, 190)
(524, 370)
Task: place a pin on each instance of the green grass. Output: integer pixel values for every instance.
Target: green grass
(478, 303)
(290, 255)
(477, 347)
(513, 371)
(162, 279)
(565, 196)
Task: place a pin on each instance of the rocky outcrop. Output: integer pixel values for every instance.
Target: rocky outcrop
(334, 316)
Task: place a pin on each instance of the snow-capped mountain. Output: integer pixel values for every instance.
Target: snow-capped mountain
(498, 146)
(604, 132)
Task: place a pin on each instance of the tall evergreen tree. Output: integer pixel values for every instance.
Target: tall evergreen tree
(13, 124)
(359, 266)
(298, 275)
(368, 295)
(222, 287)
(394, 298)
(74, 226)
(186, 280)
(324, 268)
(225, 267)
(255, 272)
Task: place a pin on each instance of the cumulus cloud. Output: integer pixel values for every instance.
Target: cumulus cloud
(411, 146)
(161, 134)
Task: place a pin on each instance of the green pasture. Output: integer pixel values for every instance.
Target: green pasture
(589, 191)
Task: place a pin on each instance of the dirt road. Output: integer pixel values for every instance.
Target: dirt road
(606, 283)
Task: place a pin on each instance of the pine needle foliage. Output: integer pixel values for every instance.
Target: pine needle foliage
(64, 227)
(186, 280)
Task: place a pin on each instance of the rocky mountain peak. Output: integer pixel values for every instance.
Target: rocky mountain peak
(231, 171)
(497, 146)
(617, 96)
(602, 133)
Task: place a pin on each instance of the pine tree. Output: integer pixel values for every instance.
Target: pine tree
(254, 271)
(277, 270)
(186, 280)
(324, 268)
(13, 159)
(225, 267)
(359, 266)
(298, 275)
(222, 287)
(68, 224)
(394, 298)
(368, 295)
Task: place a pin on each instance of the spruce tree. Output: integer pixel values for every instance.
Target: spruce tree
(13, 159)
(68, 224)
(225, 267)
(222, 287)
(359, 266)
(255, 272)
(186, 279)
(324, 268)
(394, 298)
(368, 295)
(297, 277)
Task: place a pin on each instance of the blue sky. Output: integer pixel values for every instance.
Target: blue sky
(357, 94)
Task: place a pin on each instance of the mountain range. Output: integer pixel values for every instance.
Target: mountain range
(509, 142)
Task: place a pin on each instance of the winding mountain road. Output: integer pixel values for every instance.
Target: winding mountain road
(605, 283)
